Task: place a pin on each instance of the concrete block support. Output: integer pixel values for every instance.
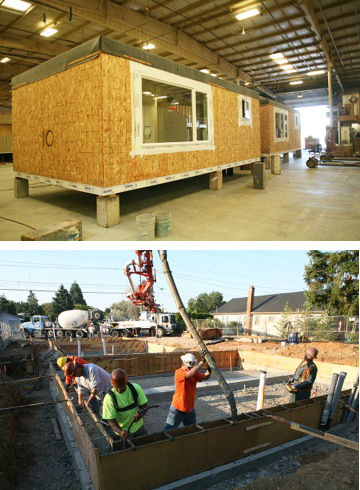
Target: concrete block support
(275, 164)
(216, 181)
(267, 161)
(298, 153)
(286, 157)
(108, 210)
(21, 187)
(258, 175)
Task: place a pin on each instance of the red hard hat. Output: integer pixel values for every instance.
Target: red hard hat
(69, 368)
(312, 352)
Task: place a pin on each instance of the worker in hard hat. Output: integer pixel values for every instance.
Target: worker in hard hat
(182, 407)
(69, 380)
(92, 379)
(123, 403)
(301, 383)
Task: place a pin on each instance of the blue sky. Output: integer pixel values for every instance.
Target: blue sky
(100, 273)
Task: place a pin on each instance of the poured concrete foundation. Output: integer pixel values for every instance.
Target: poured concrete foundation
(215, 443)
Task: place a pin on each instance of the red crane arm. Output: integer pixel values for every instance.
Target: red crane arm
(142, 295)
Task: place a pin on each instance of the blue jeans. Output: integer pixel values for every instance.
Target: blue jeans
(175, 417)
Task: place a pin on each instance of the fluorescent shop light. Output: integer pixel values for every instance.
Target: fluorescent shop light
(50, 31)
(276, 56)
(315, 72)
(149, 46)
(18, 5)
(205, 70)
(5, 60)
(248, 14)
(297, 82)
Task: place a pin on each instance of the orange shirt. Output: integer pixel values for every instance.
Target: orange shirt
(78, 360)
(185, 390)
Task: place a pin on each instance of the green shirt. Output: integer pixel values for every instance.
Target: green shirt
(124, 399)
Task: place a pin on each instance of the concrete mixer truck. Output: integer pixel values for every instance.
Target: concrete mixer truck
(74, 323)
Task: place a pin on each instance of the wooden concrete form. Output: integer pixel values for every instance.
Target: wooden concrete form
(144, 364)
(325, 369)
(215, 443)
(69, 230)
(269, 144)
(121, 346)
(75, 127)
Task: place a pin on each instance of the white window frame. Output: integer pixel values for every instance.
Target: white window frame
(243, 121)
(296, 120)
(286, 124)
(138, 72)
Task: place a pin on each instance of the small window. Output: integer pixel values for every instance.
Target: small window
(297, 121)
(245, 116)
(281, 124)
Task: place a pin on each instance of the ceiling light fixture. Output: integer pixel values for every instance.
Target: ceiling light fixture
(213, 74)
(149, 46)
(5, 60)
(18, 5)
(276, 56)
(316, 72)
(248, 14)
(247, 83)
(297, 82)
(243, 31)
(50, 31)
(281, 61)
(205, 70)
(300, 96)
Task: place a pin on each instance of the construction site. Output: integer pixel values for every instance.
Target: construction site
(254, 426)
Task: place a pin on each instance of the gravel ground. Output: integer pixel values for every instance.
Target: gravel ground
(214, 407)
(324, 465)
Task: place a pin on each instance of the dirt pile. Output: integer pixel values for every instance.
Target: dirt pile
(332, 352)
(339, 470)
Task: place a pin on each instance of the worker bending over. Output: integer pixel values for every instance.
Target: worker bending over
(120, 407)
(69, 380)
(90, 378)
(301, 383)
(183, 402)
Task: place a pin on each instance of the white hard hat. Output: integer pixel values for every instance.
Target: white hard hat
(189, 360)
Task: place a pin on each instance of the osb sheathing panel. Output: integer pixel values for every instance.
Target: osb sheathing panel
(69, 105)
(88, 109)
(267, 131)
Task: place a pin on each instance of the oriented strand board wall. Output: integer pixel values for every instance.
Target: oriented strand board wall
(294, 134)
(5, 133)
(88, 109)
(232, 143)
(69, 105)
(267, 130)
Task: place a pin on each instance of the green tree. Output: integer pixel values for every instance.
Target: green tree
(4, 303)
(62, 301)
(76, 294)
(204, 304)
(32, 303)
(48, 311)
(284, 324)
(124, 310)
(333, 281)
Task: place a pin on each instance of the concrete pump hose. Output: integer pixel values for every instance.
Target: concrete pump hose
(202, 347)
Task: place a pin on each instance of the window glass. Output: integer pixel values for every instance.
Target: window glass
(167, 112)
(202, 133)
(165, 319)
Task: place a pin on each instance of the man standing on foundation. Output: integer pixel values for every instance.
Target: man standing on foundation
(183, 403)
(121, 403)
(301, 383)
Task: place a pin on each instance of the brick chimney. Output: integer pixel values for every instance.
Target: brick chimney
(249, 308)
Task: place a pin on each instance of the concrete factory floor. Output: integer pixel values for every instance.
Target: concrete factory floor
(299, 204)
